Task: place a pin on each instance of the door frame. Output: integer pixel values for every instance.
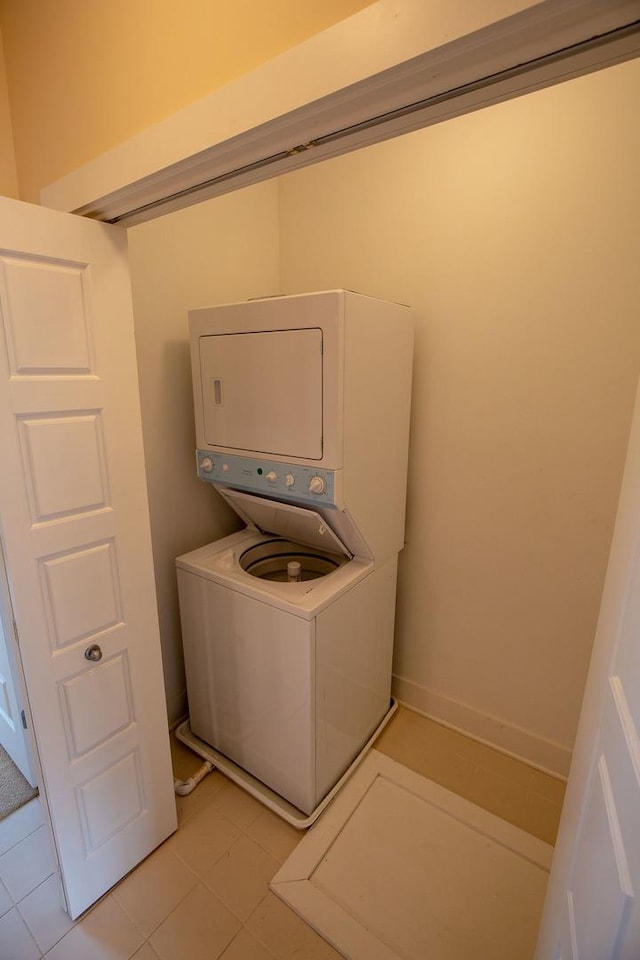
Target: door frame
(33, 774)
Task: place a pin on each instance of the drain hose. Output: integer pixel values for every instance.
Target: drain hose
(184, 787)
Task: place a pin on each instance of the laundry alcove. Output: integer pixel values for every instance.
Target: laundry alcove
(519, 264)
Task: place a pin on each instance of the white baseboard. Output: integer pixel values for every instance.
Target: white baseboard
(553, 758)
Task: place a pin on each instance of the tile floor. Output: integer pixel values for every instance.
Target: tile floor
(514, 791)
(203, 895)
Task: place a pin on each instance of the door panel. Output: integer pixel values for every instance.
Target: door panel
(77, 543)
(81, 592)
(64, 463)
(46, 323)
(599, 920)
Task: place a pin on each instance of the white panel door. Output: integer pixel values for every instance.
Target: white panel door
(76, 538)
(592, 910)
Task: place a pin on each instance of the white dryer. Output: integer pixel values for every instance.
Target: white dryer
(302, 419)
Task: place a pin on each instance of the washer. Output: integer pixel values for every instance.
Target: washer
(302, 416)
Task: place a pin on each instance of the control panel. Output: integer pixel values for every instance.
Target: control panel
(269, 478)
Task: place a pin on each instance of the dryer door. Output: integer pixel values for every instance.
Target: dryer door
(286, 520)
(262, 391)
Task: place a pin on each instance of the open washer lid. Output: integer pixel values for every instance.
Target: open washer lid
(285, 520)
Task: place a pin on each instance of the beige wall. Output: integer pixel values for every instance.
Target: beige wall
(8, 176)
(223, 250)
(83, 76)
(513, 233)
(510, 231)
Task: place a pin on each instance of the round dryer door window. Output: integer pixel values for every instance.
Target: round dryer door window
(286, 561)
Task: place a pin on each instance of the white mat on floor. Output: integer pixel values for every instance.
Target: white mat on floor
(399, 867)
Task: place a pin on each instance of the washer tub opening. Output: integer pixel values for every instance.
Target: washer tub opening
(269, 561)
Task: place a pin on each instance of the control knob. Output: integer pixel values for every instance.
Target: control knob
(206, 464)
(317, 485)
(272, 476)
(289, 479)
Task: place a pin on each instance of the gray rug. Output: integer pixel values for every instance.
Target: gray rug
(14, 789)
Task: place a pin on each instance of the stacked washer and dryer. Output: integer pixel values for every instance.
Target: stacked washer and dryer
(302, 425)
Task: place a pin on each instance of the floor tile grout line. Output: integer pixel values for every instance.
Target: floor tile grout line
(28, 925)
(255, 936)
(37, 886)
(177, 905)
(245, 929)
(244, 830)
(147, 936)
(16, 903)
(37, 945)
(24, 836)
(199, 881)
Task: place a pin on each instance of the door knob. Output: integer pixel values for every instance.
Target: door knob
(93, 653)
